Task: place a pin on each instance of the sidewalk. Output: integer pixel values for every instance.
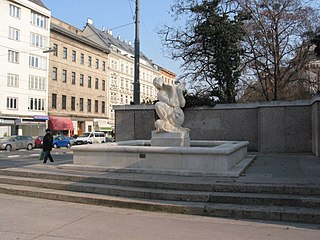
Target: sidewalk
(271, 168)
(31, 218)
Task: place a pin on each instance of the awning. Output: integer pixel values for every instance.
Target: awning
(60, 123)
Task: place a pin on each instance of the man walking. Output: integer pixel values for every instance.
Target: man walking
(47, 146)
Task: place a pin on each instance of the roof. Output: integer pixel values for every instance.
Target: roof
(110, 41)
(39, 2)
(57, 28)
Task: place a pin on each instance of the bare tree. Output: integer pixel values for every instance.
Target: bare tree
(277, 44)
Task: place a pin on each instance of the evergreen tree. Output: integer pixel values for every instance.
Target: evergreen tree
(209, 46)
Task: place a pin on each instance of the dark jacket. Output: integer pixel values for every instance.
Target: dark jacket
(47, 142)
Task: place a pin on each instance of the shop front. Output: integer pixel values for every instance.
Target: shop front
(61, 125)
(102, 125)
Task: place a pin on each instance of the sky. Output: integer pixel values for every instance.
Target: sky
(118, 15)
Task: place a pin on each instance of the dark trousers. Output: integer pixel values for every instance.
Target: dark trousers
(46, 156)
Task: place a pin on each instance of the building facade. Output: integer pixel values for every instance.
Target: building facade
(24, 34)
(78, 82)
(121, 66)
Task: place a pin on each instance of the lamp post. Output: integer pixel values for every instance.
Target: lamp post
(136, 86)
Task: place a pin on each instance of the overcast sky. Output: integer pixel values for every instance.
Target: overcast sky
(118, 15)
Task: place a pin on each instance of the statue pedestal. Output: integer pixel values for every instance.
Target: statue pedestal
(170, 139)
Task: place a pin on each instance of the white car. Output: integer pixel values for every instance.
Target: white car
(90, 137)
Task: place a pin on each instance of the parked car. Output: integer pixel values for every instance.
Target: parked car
(62, 141)
(91, 137)
(38, 142)
(17, 142)
(72, 140)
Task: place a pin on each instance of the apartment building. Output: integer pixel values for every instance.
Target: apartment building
(121, 68)
(24, 34)
(78, 82)
(167, 76)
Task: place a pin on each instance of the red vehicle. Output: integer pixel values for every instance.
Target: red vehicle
(38, 142)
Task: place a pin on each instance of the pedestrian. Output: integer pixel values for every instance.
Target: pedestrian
(47, 146)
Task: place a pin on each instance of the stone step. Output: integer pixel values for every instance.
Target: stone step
(265, 199)
(187, 184)
(169, 195)
(113, 190)
(271, 213)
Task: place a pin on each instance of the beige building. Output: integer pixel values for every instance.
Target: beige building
(78, 82)
(121, 66)
(168, 76)
(90, 72)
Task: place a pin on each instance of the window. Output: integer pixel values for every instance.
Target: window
(73, 78)
(64, 75)
(81, 105)
(103, 107)
(89, 61)
(74, 56)
(12, 103)
(122, 67)
(103, 85)
(39, 20)
(73, 103)
(38, 40)
(64, 102)
(82, 58)
(37, 83)
(89, 82)
(54, 73)
(14, 34)
(103, 66)
(121, 82)
(54, 101)
(65, 53)
(81, 80)
(15, 11)
(13, 56)
(13, 80)
(36, 61)
(114, 64)
(97, 63)
(113, 80)
(96, 84)
(55, 46)
(89, 105)
(96, 106)
(36, 104)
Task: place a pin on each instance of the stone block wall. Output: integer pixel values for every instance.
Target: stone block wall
(279, 126)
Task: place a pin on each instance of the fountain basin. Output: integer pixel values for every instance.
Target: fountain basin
(217, 158)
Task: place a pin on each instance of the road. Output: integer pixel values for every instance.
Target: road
(23, 157)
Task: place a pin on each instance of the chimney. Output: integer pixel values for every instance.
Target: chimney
(90, 21)
(119, 38)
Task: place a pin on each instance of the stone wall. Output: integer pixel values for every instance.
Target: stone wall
(280, 126)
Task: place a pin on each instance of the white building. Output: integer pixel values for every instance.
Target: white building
(24, 34)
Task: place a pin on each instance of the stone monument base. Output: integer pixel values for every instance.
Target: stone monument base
(170, 139)
(202, 158)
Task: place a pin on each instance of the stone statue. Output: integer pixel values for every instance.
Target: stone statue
(168, 108)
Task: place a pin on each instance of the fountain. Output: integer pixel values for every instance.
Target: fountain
(170, 150)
